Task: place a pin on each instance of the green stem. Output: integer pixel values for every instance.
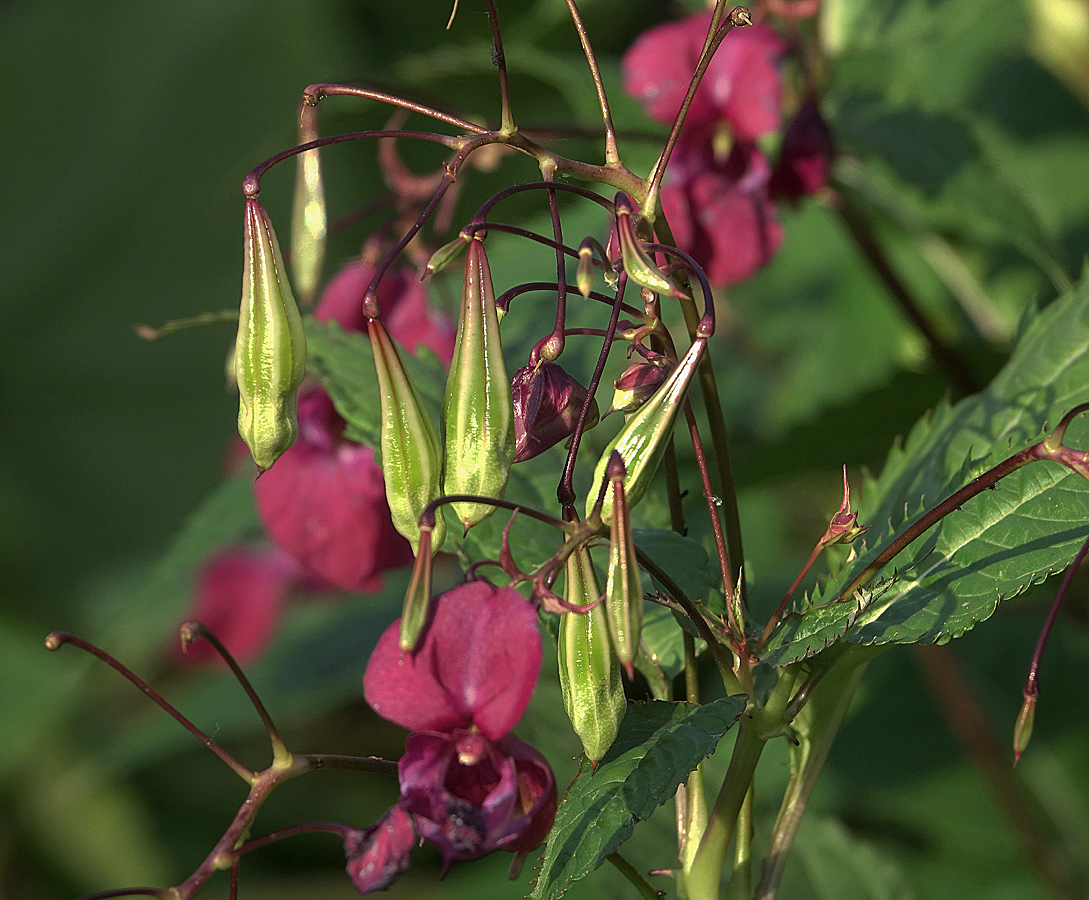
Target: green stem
(645, 888)
(741, 880)
(820, 721)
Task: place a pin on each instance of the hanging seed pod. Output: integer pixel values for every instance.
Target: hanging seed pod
(478, 413)
(309, 222)
(642, 441)
(624, 588)
(270, 350)
(417, 603)
(593, 693)
(411, 452)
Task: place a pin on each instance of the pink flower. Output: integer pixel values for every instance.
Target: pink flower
(241, 592)
(742, 85)
(719, 209)
(468, 785)
(715, 193)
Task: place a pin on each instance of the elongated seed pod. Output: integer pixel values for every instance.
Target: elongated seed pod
(593, 693)
(309, 222)
(478, 413)
(642, 441)
(624, 587)
(270, 350)
(411, 452)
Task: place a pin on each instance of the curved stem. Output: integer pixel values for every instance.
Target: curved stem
(315, 92)
(645, 888)
(57, 639)
(612, 156)
(507, 125)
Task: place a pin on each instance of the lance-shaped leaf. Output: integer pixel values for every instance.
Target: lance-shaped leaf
(309, 222)
(1000, 542)
(659, 744)
(270, 350)
(478, 413)
(593, 693)
(642, 441)
(624, 587)
(411, 452)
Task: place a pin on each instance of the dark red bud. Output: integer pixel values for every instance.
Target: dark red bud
(638, 384)
(805, 156)
(547, 404)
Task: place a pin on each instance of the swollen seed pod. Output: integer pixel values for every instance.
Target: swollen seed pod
(411, 452)
(642, 441)
(593, 693)
(417, 603)
(624, 587)
(270, 350)
(638, 263)
(309, 222)
(478, 413)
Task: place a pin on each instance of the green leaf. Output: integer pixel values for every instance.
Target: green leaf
(344, 363)
(658, 745)
(839, 866)
(1000, 542)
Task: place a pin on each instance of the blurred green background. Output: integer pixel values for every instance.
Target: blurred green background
(130, 126)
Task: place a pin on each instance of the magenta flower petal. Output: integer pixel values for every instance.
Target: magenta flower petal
(744, 81)
(324, 502)
(380, 853)
(470, 796)
(659, 66)
(805, 156)
(241, 593)
(720, 211)
(402, 299)
(477, 665)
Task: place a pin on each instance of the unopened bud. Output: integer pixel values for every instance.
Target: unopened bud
(1022, 730)
(270, 350)
(642, 441)
(547, 405)
(584, 274)
(478, 411)
(411, 451)
(638, 383)
(638, 263)
(593, 693)
(843, 527)
(447, 254)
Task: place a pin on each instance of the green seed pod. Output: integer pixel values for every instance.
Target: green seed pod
(642, 441)
(593, 694)
(478, 412)
(624, 587)
(309, 221)
(270, 350)
(411, 452)
(417, 603)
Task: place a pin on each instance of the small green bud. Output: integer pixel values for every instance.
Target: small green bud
(638, 263)
(270, 350)
(1022, 730)
(642, 441)
(593, 693)
(584, 274)
(446, 255)
(624, 587)
(309, 222)
(411, 452)
(478, 412)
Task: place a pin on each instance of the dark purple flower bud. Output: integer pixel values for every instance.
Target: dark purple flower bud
(804, 158)
(547, 404)
(469, 795)
(476, 666)
(379, 854)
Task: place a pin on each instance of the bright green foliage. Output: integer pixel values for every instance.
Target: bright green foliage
(658, 745)
(1002, 541)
